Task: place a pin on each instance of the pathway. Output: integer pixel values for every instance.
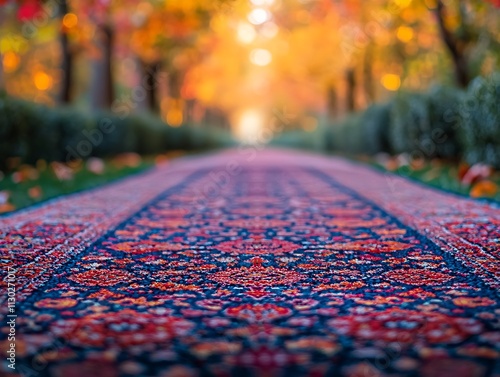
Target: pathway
(254, 263)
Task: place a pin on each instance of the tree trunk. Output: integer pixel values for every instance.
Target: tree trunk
(66, 58)
(332, 102)
(368, 75)
(102, 91)
(150, 84)
(351, 90)
(174, 83)
(2, 80)
(452, 44)
(3, 16)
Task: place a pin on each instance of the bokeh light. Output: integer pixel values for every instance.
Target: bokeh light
(173, 111)
(42, 81)
(246, 33)
(258, 16)
(405, 33)
(260, 57)
(391, 82)
(324, 59)
(250, 124)
(11, 61)
(262, 2)
(70, 20)
(269, 30)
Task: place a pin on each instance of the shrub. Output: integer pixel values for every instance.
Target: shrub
(479, 120)
(149, 133)
(66, 127)
(410, 124)
(364, 133)
(118, 134)
(299, 139)
(443, 107)
(10, 135)
(423, 125)
(31, 132)
(348, 135)
(444, 122)
(355, 138)
(27, 131)
(375, 121)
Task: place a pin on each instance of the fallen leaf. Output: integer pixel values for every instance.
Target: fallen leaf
(7, 207)
(484, 188)
(35, 192)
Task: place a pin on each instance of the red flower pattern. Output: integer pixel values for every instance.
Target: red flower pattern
(294, 276)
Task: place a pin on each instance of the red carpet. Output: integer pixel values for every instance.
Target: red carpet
(254, 263)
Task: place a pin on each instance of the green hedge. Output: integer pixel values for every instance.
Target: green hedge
(410, 122)
(375, 122)
(348, 135)
(364, 133)
(32, 132)
(301, 140)
(421, 125)
(479, 121)
(445, 136)
(444, 122)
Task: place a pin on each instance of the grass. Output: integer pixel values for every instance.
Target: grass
(29, 185)
(443, 175)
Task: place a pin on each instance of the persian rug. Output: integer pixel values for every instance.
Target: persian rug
(253, 263)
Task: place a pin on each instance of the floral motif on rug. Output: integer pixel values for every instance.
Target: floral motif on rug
(281, 272)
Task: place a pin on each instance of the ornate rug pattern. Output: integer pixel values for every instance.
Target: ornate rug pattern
(268, 263)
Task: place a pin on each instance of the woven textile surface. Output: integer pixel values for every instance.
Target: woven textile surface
(254, 263)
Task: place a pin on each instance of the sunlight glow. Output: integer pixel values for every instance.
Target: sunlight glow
(249, 126)
(262, 2)
(260, 57)
(246, 33)
(258, 16)
(269, 30)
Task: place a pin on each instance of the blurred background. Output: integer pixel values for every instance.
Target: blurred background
(94, 90)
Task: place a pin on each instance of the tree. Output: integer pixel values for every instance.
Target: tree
(26, 11)
(66, 87)
(99, 14)
(102, 83)
(470, 32)
(455, 43)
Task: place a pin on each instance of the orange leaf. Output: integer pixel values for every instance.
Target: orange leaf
(484, 188)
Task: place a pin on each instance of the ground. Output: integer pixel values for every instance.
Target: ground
(255, 263)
